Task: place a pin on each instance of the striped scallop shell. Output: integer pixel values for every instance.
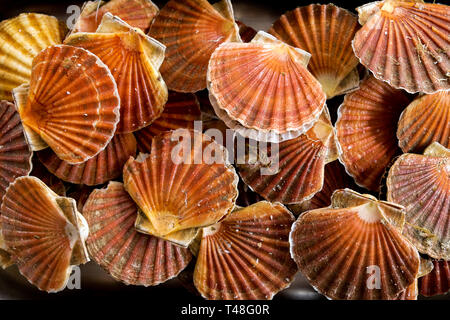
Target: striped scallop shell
(127, 255)
(424, 121)
(246, 255)
(264, 86)
(71, 103)
(366, 129)
(176, 191)
(21, 39)
(405, 43)
(437, 281)
(421, 183)
(180, 111)
(354, 249)
(134, 60)
(44, 233)
(325, 31)
(105, 166)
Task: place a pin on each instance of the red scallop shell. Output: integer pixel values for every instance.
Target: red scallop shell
(437, 281)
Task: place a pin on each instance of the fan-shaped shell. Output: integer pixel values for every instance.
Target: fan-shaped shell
(424, 121)
(129, 256)
(191, 30)
(71, 104)
(105, 166)
(437, 281)
(176, 190)
(180, 111)
(44, 233)
(405, 43)
(21, 39)
(421, 183)
(354, 249)
(134, 60)
(246, 255)
(325, 31)
(366, 130)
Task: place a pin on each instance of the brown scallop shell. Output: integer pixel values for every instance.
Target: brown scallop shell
(405, 43)
(44, 233)
(325, 31)
(246, 255)
(437, 281)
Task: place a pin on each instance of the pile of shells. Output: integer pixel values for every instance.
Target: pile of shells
(99, 148)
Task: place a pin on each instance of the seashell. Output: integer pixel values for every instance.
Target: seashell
(325, 31)
(246, 33)
(264, 87)
(44, 233)
(180, 111)
(134, 60)
(137, 13)
(21, 39)
(246, 255)
(437, 281)
(178, 192)
(71, 103)
(128, 256)
(354, 249)
(105, 166)
(191, 30)
(54, 183)
(80, 193)
(405, 43)
(366, 128)
(421, 183)
(424, 121)
(5, 259)
(410, 293)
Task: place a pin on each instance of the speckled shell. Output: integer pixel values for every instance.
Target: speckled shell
(424, 121)
(437, 281)
(134, 60)
(421, 183)
(178, 195)
(21, 39)
(105, 166)
(339, 248)
(180, 111)
(405, 43)
(191, 30)
(264, 86)
(246, 255)
(127, 255)
(325, 31)
(44, 233)
(40, 171)
(366, 130)
(71, 103)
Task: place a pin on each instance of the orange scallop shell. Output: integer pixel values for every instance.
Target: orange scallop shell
(44, 233)
(437, 281)
(366, 130)
(405, 43)
(325, 31)
(424, 121)
(127, 255)
(246, 255)
(105, 166)
(354, 249)
(410, 293)
(72, 103)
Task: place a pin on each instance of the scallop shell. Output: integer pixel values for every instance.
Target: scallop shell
(71, 104)
(191, 30)
(105, 166)
(366, 130)
(127, 255)
(178, 192)
(134, 60)
(246, 33)
(264, 86)
(325, 31)
(21, 39)
(246, 255)
(137, 13)
(80, 193)
(180, 111)
(40, 171)
(405, 43)
(44, 233)
(437, 281)
(410, 293)
(421, 183)
(424, 121)
(354, 249)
